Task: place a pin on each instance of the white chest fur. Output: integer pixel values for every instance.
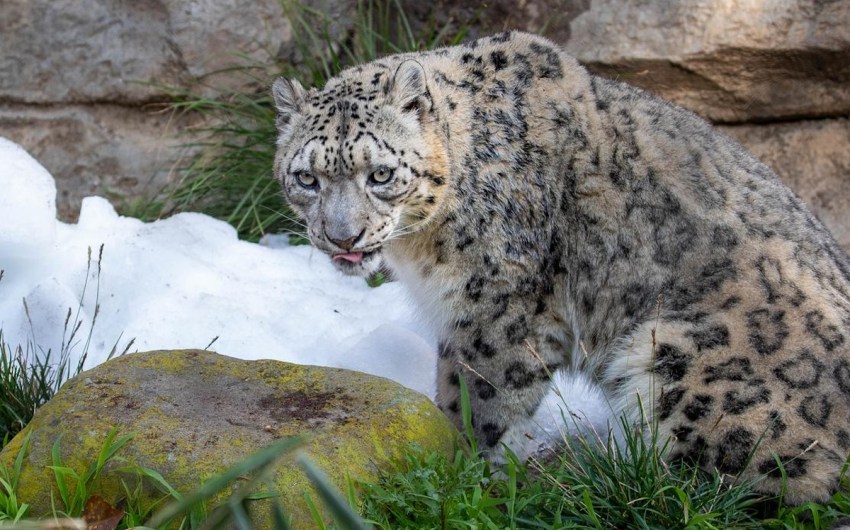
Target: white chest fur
(432, 294)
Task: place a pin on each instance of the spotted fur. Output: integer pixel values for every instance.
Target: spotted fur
(547, 219)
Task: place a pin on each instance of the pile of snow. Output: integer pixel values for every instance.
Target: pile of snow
(187, 281)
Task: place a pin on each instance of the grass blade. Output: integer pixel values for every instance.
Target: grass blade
(257, 461)
(342, 513)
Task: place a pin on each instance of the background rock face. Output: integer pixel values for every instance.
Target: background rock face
(196, 413)
(117, 151)
(729, 60)
(83, 82)
(80, 77)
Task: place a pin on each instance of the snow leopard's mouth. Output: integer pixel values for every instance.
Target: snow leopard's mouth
(353, 257)
(360, 263)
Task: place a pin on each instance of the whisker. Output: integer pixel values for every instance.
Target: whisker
(405, 230)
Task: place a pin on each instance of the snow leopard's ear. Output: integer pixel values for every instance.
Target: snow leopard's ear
(408, 89)
(288, 99)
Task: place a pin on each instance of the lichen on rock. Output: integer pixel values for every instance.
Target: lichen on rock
(195, 413)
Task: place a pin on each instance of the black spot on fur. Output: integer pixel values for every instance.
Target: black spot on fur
(540, 307)
(671, 363)
(501, 38)
(483, 348)
(794, 466)
(517, 331)
(682, 432)
(551, 68)
(730, 302)
(735, 369)
(816, 410)
(492, 434)
(699, 407)
(775, 284)
(668, 401)
(464, 241)
(484, 389)
(710, 337)
(517, 375)
(474, 288)
(499, 59)
(601, 104)
(724, 238)
(697, 452)
(673, 238)
(777, 426)
(522, 71)
(707, 281)
(767, 330)
(436, 179)
(843, 439)
(734, 449)
(636, 300)
(828, 333)
(741, 400)
(842, 375)
(802, 371)
(500, 305)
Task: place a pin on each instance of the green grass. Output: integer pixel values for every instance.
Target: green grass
(26, 383)
(31, 375)
(590, 485)
(230, 175)
(73, 486)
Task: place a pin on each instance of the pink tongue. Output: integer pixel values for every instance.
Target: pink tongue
(353, 257)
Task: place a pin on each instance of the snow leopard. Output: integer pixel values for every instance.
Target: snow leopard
(546, 219)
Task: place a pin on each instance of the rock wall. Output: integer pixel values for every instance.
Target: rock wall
(82, 82)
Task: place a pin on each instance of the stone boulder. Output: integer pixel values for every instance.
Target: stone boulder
(196, 413)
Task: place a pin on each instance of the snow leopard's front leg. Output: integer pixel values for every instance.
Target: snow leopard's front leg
(504, 358)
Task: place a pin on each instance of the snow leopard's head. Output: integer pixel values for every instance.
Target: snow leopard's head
(360, 160)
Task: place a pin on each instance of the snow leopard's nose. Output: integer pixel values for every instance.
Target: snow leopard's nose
(344, 244)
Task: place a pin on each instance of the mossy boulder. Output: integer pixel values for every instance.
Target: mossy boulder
(195, 413)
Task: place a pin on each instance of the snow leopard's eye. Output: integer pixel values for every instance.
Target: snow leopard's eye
(306, 180)
(382, 175)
